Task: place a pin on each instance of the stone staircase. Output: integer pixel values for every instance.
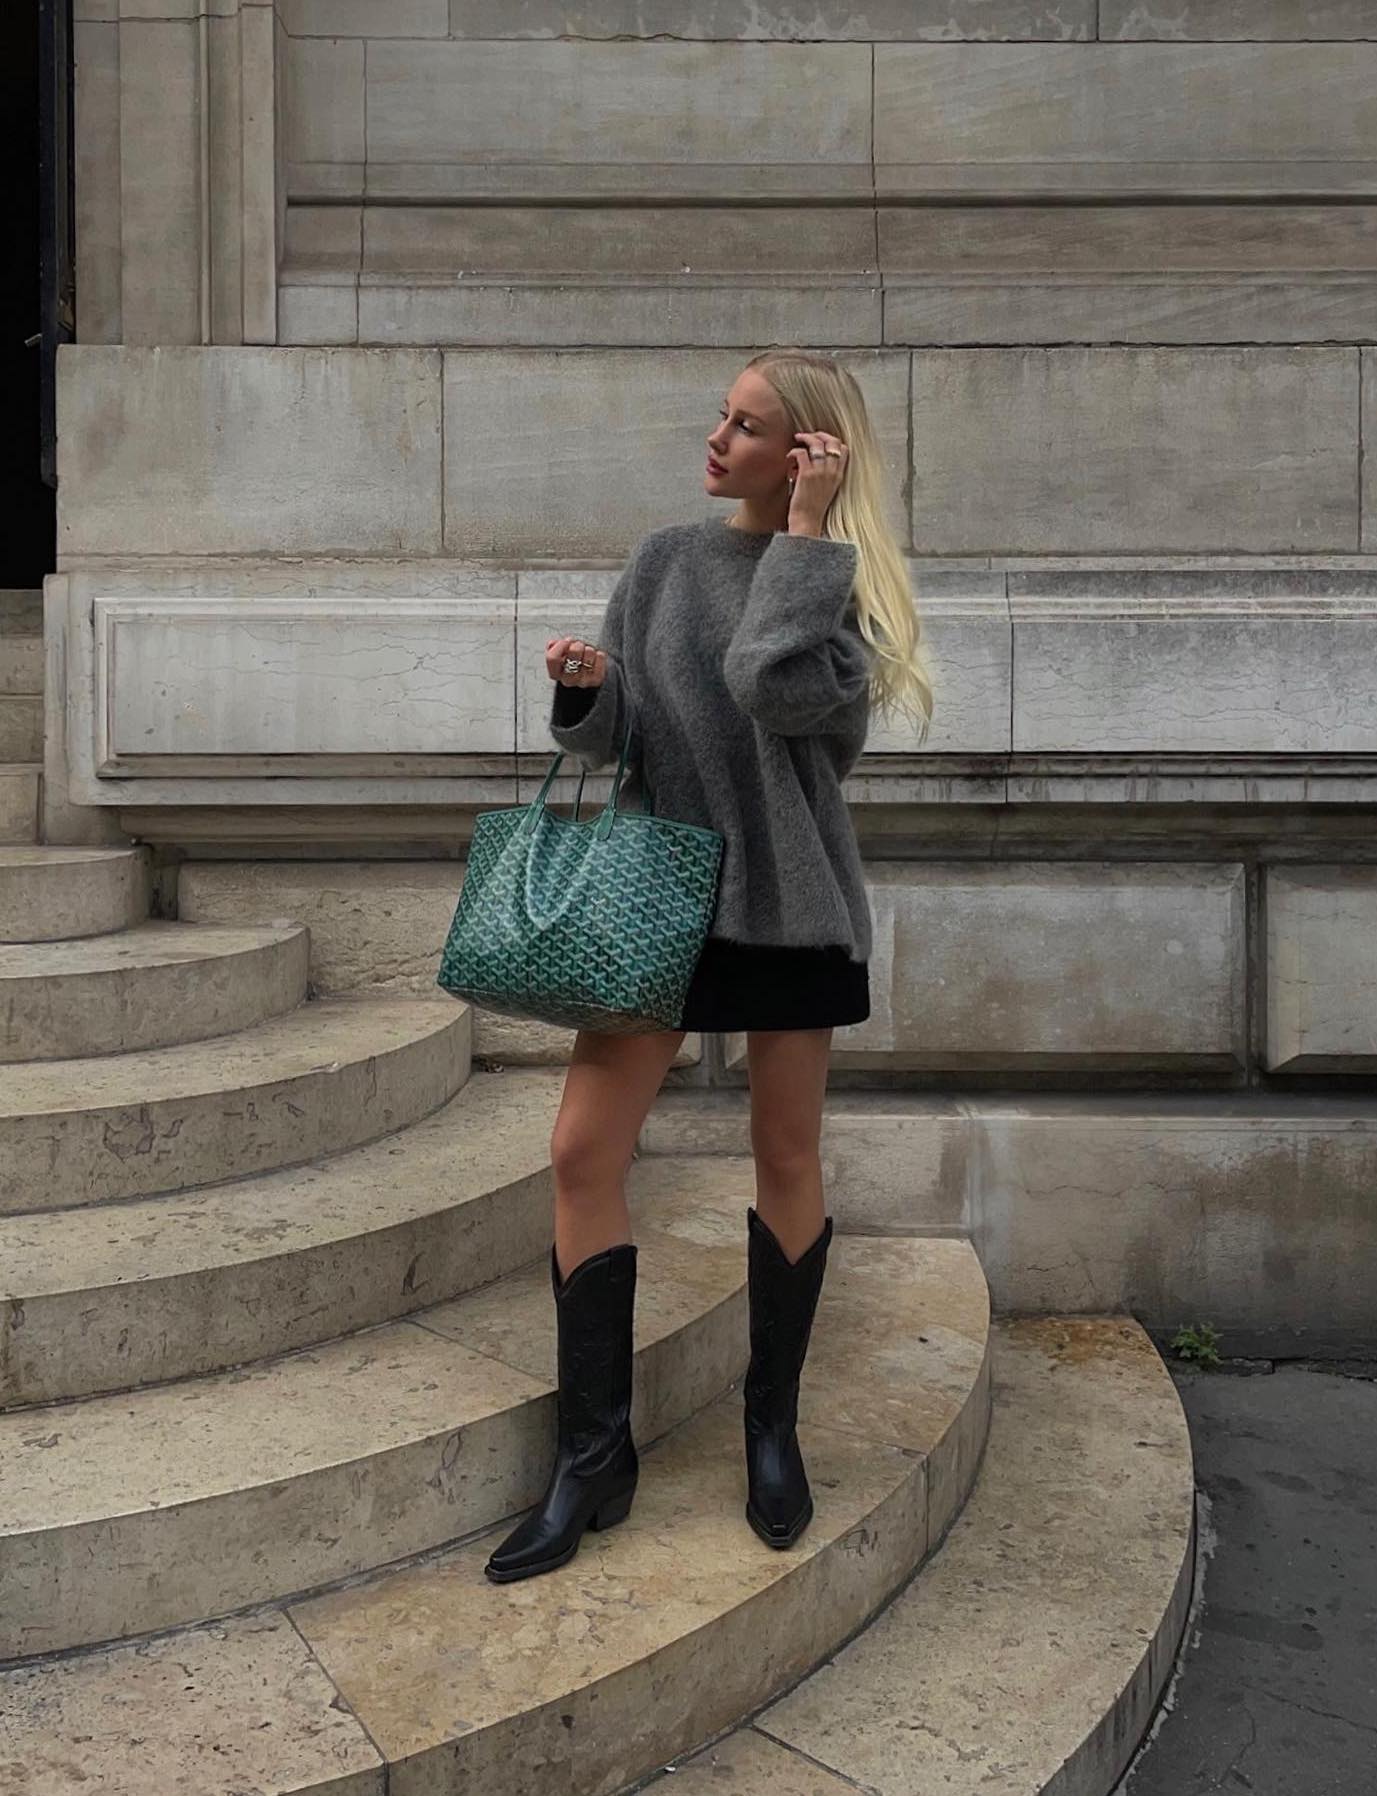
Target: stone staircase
(21, 714)
(277, 1369)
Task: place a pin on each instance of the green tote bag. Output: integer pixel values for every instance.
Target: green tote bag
(596, 924)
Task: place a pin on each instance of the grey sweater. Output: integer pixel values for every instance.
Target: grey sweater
(737, 657)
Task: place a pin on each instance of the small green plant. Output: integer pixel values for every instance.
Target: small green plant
(1199, 1343)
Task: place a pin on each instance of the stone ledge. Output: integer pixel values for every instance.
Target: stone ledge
(936, 21)
(1069, 681)
(322, 307)
(1252, 1209)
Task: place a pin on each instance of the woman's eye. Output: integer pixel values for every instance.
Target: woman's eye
(745, 427)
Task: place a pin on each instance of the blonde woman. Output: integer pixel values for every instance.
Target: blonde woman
(745, 654)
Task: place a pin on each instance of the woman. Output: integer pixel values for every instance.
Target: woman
(743, 655)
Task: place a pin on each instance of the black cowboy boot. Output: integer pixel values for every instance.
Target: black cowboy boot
(783, 1299)
(596, 1466)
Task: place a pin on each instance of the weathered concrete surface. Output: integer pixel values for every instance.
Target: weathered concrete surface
(1251, 1210)
(1276, 1690)
(230, 449)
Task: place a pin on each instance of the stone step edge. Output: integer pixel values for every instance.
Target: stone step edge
(143, 987)
(16, 856)
(424, 1045)
(52, 1551)
(678, 1106)
(89, 884)
(160, 936)
(224, 1657)
(925, 1627)
(331, 1235)
(321, 1013)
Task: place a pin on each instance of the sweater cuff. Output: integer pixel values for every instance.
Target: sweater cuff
(581, 718)
(809, 579)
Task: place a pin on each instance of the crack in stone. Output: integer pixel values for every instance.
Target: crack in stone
(1294, 1702)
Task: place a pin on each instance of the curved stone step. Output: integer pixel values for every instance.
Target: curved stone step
(56, 893)
(328, 1075)
(659, 1631)
(1030, 1652)
(153, 985)
(107, 1297)
(121, 1515)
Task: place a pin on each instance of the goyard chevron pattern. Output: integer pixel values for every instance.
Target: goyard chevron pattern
(594, 924)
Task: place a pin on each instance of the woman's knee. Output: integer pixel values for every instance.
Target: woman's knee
(611, 1083)
(784, 1153)
(588, 1150)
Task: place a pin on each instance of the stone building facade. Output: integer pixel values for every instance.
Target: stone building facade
(399, 320)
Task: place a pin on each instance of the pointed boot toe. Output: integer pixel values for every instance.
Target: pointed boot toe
(780, 1504)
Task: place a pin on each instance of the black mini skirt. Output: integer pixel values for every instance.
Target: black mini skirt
(738, 985)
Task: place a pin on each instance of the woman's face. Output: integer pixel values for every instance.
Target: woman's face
(751, 442)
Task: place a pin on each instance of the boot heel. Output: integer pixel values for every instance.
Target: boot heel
(614, 1510)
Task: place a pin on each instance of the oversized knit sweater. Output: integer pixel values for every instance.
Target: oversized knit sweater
(737, 658)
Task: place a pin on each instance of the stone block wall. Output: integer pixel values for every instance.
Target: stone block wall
(400, 320)
(515, 454)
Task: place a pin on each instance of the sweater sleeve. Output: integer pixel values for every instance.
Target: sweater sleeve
(590, 721)
(797, 654)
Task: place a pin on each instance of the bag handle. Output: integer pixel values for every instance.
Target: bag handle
(604, 823)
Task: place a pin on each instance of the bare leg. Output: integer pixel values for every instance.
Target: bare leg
(787, 1236)
(788, 1079)
(611, 1084)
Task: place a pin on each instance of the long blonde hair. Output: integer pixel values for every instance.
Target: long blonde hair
(818, 393)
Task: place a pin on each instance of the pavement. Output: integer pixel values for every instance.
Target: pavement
(1274, 1692)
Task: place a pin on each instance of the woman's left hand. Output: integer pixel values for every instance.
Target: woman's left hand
(818, 470)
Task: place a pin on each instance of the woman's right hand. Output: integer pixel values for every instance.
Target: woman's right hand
(593, 674)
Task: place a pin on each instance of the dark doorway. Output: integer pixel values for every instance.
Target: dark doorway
(27, 503)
